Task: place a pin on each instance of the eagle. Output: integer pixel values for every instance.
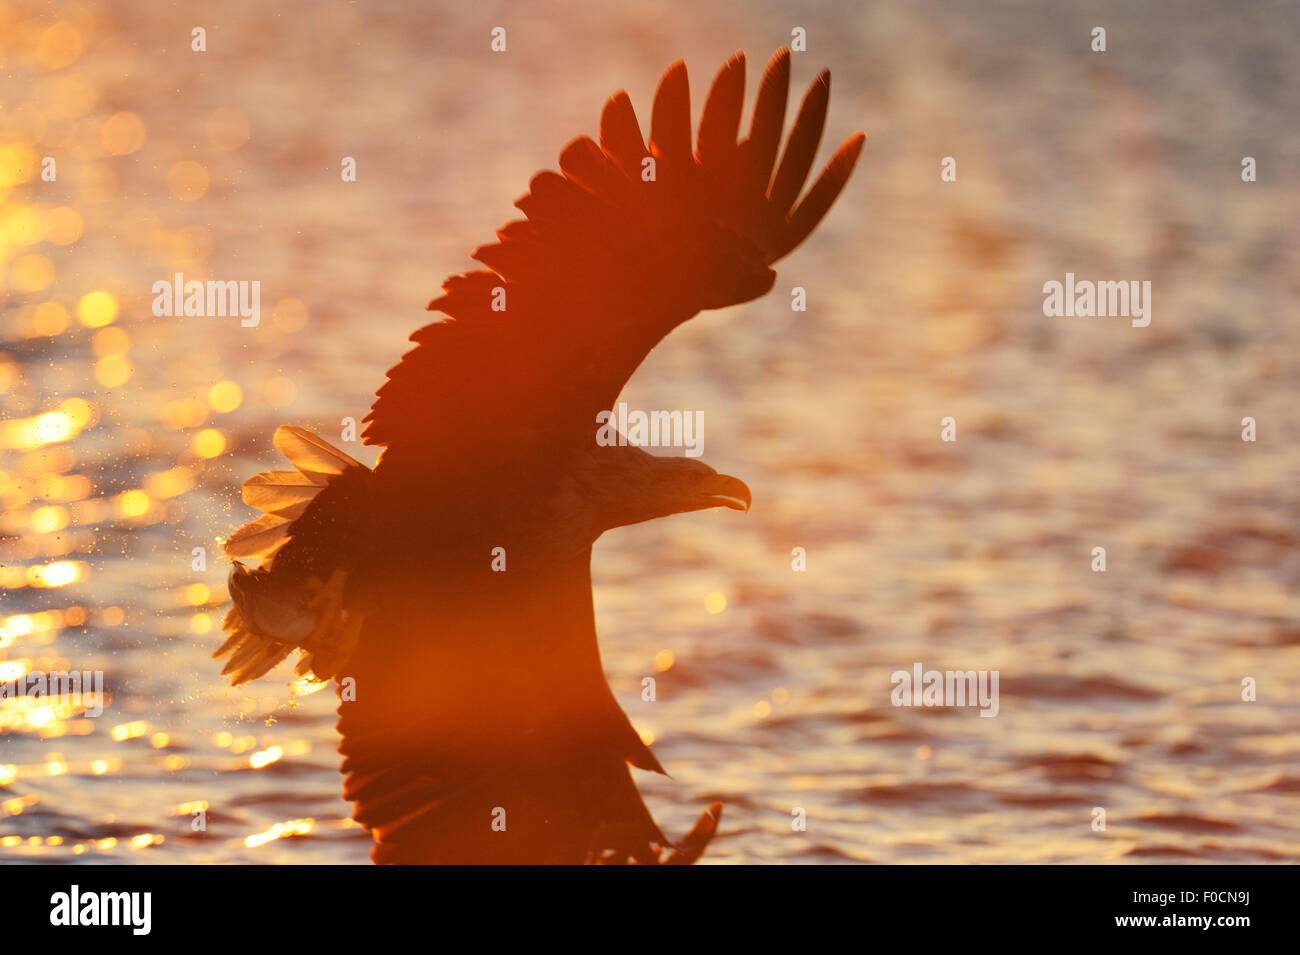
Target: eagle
(447, 590)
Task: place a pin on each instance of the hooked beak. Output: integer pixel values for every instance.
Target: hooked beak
(723, 490)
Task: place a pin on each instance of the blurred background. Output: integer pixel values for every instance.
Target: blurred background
(125, 436)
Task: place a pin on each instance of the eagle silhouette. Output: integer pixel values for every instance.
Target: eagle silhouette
(448, 590)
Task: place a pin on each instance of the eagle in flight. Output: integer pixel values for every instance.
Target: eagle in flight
(447, 590)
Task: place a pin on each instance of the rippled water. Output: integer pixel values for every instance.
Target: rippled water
(1119, 690)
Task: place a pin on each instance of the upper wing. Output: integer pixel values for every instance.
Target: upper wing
(626, 244)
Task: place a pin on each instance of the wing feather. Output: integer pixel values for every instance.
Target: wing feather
(720, 121)
(620, 135)
(824, 192)
(605, 265)
(670, 118)
(765, 128)
(801, 147)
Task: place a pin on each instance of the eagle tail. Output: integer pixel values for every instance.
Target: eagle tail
(276, 611)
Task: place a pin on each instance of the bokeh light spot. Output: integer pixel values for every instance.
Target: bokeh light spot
(97, 309)
(188, 180)
(123, 133)
(209, 442)
(225, 396)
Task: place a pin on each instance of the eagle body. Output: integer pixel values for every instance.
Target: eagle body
(447, 591)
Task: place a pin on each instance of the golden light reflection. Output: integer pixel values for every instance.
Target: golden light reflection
(47, 520)
(22, 225)
(266, 757)
(48, 428)
(48, 720)
(18, 164)
(132, 503)
(196, 595)
(58, 574)
(296, 827)
(125, 731)
(209, 443)
(97, 309)
(112, 371)
(55, 765)
(169, 483)
(12, 670)
(16, 806)
(19, 625)
(715, 603)
(225, 396)
(307, 686)
(110, 341)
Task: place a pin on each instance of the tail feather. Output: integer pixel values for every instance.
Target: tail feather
(260, 538)
(286, 493)
(275, 613)
(309, 454)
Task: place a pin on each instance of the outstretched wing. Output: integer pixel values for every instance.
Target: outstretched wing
(627, 243)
